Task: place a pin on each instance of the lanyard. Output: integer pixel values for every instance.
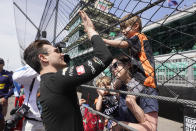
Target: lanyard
(30, 89)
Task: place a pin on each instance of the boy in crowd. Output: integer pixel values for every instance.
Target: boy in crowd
(106, 102)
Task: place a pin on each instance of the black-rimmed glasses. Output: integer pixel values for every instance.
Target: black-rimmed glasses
(115, 65)
(56, 50)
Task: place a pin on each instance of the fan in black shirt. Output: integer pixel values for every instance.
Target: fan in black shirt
(58, 99)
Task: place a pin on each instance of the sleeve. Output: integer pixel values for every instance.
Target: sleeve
(10, 93)
(149, 104)
(77, 75)
(134, 44)
(11, 87)
(24, 75)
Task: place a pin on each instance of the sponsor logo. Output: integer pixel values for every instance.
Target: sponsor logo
(71, 71)
(98, 61)
(64, 71)
(90, 64)
(190, 123)
(80, 70)
(111, 110)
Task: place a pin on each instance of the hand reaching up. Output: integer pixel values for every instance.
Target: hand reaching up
(88, 25)
(86, 21)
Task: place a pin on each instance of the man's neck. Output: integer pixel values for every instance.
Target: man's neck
(1, 70)
(48, 69)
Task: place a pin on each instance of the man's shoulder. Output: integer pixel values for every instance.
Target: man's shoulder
(47, 75)
(48, 79)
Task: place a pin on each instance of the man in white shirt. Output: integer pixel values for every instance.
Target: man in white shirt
(25, 76)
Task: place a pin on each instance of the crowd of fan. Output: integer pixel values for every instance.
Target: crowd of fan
(133, 73)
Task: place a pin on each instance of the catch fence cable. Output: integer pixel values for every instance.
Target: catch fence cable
(162, 98)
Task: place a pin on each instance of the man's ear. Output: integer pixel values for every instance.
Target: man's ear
(43, 58)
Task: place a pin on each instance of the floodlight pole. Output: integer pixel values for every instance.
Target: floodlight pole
(55, 22)
(27, 17)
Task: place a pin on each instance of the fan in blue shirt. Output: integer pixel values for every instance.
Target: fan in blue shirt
(6, 90)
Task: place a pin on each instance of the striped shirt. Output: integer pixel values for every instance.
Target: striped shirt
(143, 65)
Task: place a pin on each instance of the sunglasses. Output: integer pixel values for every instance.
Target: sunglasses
(121, 62)
(115, 65)
(56, 50)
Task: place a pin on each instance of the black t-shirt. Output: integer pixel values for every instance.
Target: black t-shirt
(142, 61)
(58, 98)
(110, 105)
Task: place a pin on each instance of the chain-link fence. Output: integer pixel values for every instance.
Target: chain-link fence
(27, 18)
(169, 27)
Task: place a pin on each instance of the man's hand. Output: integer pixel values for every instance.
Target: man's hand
(4, 101)
(88, 25)
(86, 21)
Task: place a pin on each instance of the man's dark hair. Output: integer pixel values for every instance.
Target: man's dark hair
(124, 59)
(31, 54)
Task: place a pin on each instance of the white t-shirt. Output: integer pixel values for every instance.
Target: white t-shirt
(24, 76)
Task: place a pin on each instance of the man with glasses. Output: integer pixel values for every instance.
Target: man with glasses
(6, 90)
(57, 98)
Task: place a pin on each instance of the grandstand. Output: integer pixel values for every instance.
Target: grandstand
(169, 60)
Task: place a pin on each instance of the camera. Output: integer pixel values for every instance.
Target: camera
(16, 116)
